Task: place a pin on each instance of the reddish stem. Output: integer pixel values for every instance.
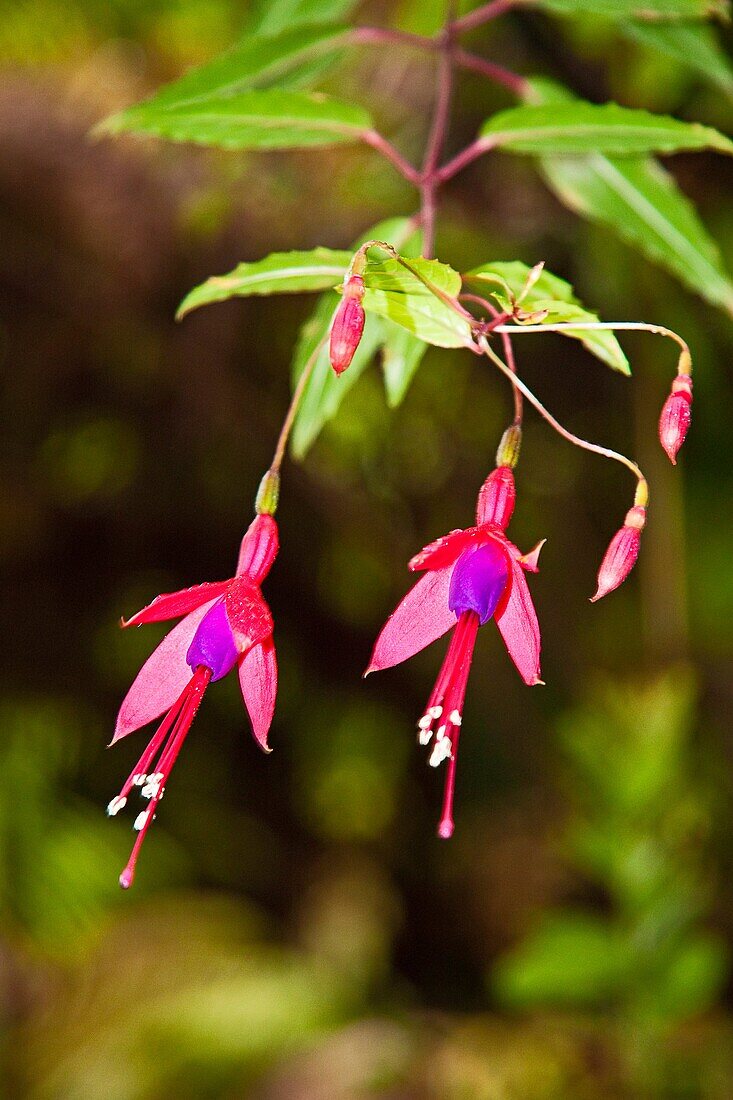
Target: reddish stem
(387, 149)
(438, 130)
(472, 152)
(517, 85)
(483, 14)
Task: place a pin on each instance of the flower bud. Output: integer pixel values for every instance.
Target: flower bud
(496, 499)
(348, 325)
(676, 415)
(268, 494)
(508, 451)
(623, 550)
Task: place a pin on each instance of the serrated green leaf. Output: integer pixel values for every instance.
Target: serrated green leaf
(325, 392)
(402, 296)
(257, 62)
(276, 15)
(642, 9)
(278, 273)
(272, 119)
(551, 293)
(578, 127)
(641, 202)
(402, 354)
(693, 45)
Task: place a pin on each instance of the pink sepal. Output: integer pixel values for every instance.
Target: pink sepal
(174, 604)
(258, 681)
(248, 615)
(530, 561)
(421, 618)
(517, 622)
(443, 551)
(162, 678)
(259, 549)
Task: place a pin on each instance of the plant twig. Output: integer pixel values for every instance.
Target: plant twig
(483, 14)
(517, 382)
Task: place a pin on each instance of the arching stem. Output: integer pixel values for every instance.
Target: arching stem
(595, 448)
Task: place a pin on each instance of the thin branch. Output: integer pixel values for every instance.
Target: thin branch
(305, 376)
(685, 363)
(472, 152)
(516, 84)
(438, 130)
(483, 14)
(387, 150)
(517, 382)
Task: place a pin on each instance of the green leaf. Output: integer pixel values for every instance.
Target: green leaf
(693, 978)
(272, 119)
(402, 354)
(643, 9)
(406, 297)
(258, 61)
(276, 15)
(278, 273)
(555, 295)
(641, 202)
(579, 127)
(693, 45)
(572, 960)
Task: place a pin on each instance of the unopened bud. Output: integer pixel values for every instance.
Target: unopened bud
(348, 325)
(674, 421)
(622, 553)
(496, 499)
(268, 494)
(508, 450)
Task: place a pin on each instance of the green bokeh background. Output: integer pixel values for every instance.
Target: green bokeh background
(297, 932)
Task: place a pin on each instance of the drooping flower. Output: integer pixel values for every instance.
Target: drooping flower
(623, 550)
(348, 325)
(674, 421)
(227, 624)
(471, 576)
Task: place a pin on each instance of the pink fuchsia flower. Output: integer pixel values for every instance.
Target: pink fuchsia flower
(348, 325)
(676, 415)
(623, 550)
(226, 624)
(470, 577)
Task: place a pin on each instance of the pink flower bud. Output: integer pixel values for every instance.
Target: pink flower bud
(496, 499)
(348, 325)
(622, 553)
(676, 415)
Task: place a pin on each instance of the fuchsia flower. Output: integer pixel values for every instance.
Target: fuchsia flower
(623, 550)
(348, 325)
(674, 421)
(471, 577)
(226, 624)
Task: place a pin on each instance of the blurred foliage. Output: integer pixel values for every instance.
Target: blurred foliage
(639, 834)
(297, 932)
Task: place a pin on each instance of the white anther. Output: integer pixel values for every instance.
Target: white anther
(139, 779)
(118, 803)
(140, 820)
(435, 712)
(425, 722)
(152, 787)
(424, 736)
(440, 734)
(455, 717)
(441, 751)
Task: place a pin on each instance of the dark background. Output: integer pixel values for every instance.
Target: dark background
(296, 929)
